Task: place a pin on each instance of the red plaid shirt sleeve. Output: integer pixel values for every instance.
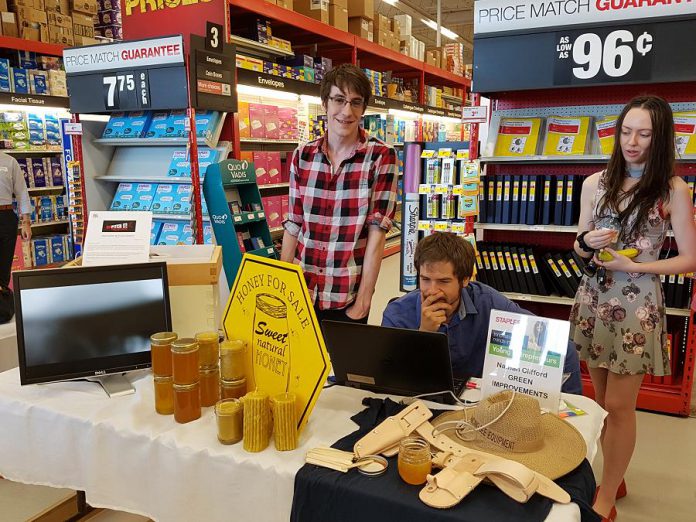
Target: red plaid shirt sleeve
(331, 210)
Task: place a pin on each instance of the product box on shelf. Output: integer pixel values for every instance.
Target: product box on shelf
(116, 126)
(159, 123)
(40, 252)
(181, 167)
(270, 120)
(243, 116)
(83, 25)
(260, 160)
(361, 8)
(273, 166)
(5, 75)
(38, 172)
(206, 121)
(20, 81)
(517, 136)
(57, 247)
(171, 232)
(250, 63)
(361, 27)
(155, 230)
(136, 123)
(566, 135)
(108, 5)
(181, 198)
(85, 6)
(284, 207)
(59, 20)
(38, 82)
(8, 24)
(256, 120)
(124, 197)
(143, 196)
(56, 169)
(109, 31)
(338, 16)
(58, 6)
(287, 121)
(317, 9)
(108, 18)
(47, 209)
(164, 198)
(685, 130)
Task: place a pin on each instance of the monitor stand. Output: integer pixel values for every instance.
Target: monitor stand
(114, 385)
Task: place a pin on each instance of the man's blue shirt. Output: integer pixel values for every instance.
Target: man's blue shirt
(467, 331)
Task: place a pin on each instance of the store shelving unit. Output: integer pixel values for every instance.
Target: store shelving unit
(20, 44)
(341, 47)
(668, 398)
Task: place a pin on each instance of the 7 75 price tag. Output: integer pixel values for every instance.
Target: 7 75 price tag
(126, 90)
(604, 55)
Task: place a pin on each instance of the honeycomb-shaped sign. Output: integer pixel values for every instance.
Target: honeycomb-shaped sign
(270, 309)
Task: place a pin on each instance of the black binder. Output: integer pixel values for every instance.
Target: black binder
(577, 263)
(498, 199)
(502, 265)
(559, 201)
(548, 196)
(533, 201)
(496, 281)
(527, 271)
(507, 203)
(539, 281)
(557, 278)
(524, 189)
(522, 285)
(565, 270)
(485, 270)
(515, 212)
(671, 287)
(483, 207)
(490, 200)
(680, 292)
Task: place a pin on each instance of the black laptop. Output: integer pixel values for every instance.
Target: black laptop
(393, 361)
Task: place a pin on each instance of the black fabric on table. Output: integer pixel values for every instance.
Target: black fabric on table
(323, 494)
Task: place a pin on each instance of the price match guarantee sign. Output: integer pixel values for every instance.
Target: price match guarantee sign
(526, 353)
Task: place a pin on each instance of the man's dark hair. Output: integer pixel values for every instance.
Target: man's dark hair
(446, 247)
(346, 76)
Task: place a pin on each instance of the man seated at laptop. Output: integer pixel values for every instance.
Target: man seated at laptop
(449, 302)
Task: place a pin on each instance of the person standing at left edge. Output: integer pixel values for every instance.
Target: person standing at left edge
(342, 202)
(11, 183)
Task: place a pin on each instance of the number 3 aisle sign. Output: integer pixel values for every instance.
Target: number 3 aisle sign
(132, 76)
(519, 44)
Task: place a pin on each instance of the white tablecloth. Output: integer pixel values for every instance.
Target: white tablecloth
(127, 457)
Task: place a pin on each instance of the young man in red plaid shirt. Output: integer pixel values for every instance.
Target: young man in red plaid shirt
(342, 202)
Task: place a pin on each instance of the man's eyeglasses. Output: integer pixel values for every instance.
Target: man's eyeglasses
(342, 101)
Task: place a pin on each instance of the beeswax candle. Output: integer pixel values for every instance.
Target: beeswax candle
(257, 421)
(284, 421)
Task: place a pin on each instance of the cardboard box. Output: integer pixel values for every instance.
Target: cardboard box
(33, 4)
(317, 9)
(35, 31)
(381, 38)
(59, 20)
(286, 4)
(83, 25)
(404, 22)
(340, 3)
(361, 9)
(256, 120)
(8, 24)
(85, 6)
(59, 6)
(360, 27)
(108, 17)
(381, 23)
(244, 125)
(3, 5)
(260, 160)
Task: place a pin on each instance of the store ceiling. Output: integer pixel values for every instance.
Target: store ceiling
(457, 16)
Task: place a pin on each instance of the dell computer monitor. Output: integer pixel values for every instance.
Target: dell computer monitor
(87, 322)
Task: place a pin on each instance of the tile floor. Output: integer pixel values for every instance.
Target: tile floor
(661, 480)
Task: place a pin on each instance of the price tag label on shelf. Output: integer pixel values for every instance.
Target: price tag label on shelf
(475, 114)
(130, 76)
(463, 154)
(427, 154)
(424, 225)
(457, 190)
(424, 189)
(73, 129)
(261, 215)
(441, 226)
(458, 227)
(444, 153)
(441, 189)
(237, 219)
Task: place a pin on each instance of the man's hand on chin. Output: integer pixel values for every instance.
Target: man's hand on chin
(434, 312)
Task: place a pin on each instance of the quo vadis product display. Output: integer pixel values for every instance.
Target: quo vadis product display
(517, 136)
(566, 135)
(606, 129)
(685, 128)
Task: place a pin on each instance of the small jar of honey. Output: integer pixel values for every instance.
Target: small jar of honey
(233, 389)
(232, 359)
(161, 348)
(210, 386)
(230, 420)
(185, 361)
(164, 395)
(415, 462)
(187, 402)
(208, 349)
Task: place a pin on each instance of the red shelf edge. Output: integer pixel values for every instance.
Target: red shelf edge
(9, 42)
(446, 75)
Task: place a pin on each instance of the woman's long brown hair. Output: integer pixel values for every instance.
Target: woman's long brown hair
(654, 184)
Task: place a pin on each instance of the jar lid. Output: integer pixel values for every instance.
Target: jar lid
(185, 387)
(207, 337)
(372, 465)
(163, 378)
(210, 370)
(236, 382)
(163, 338)
(184, 345)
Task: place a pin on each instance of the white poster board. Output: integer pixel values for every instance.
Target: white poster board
(526, 353)
(117, 238)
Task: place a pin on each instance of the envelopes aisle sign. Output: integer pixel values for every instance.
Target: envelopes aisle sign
(526, 353)
(270, 309)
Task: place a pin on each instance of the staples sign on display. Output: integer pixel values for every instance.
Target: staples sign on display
(131, 76)
(526, 354)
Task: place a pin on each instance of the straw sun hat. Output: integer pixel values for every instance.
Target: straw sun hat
(541, 441)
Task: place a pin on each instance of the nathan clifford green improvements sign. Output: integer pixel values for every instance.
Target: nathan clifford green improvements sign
(526, 354)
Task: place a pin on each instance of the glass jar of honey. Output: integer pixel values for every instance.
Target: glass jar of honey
(164, 395)
(187, 402)
(230, 420)
(232, 359)
(185, 361)
(415, 462)
(208, 349)
(210, 386)
(161, 348)
(233, 389)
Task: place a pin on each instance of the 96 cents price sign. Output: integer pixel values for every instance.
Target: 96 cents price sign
(604, 55)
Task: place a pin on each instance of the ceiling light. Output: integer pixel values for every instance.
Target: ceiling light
(443, 30)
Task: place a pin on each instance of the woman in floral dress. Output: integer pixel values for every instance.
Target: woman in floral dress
(618, 318)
